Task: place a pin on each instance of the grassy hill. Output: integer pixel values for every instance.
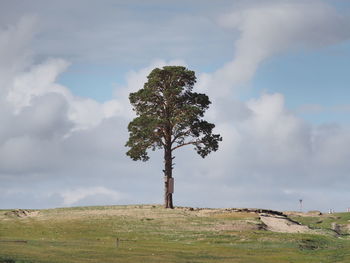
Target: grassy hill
(152, 234)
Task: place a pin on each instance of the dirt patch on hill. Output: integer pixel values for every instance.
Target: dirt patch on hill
(283, 224)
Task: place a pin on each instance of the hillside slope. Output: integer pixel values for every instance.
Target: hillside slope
(149, 233)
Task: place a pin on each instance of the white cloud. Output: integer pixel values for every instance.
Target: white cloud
(14, 52)
(317, 108)
(268, 140)
(270, 28)
(73, 196)
(113, 32)
(272, 157)
(27, 86)
(282, 137)
(38, 81)
(331, 147)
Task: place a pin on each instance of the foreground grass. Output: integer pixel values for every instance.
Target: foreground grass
(153, 234)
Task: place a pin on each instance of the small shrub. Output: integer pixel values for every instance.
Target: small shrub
(311, 244)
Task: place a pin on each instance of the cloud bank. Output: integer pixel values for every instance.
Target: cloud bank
(58, 149)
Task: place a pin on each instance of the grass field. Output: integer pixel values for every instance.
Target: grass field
(150, 233)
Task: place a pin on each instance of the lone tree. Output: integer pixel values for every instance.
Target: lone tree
(169, 116)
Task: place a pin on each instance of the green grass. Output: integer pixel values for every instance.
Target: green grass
(325, 221)
(153, 234)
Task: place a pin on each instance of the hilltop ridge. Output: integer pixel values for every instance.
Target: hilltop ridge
(150, 233)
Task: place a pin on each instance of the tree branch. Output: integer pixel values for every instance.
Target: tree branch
(184, 144)
(186, 133)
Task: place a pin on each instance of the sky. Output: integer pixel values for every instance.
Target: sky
(275, 71)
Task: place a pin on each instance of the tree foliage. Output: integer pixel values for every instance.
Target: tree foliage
(170, 115)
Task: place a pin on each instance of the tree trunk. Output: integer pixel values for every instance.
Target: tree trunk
(168, 160)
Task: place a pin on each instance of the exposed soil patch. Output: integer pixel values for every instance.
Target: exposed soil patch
(283, 224)
(22, 213)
